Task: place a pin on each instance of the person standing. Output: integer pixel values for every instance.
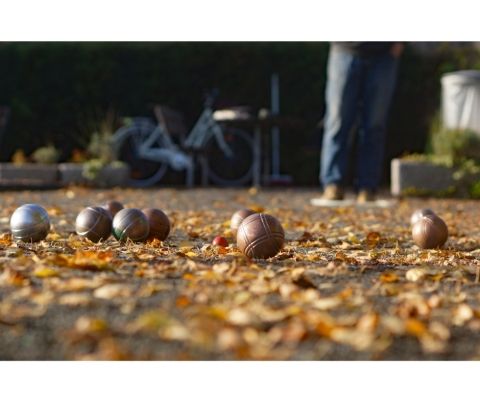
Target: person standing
(361, 79)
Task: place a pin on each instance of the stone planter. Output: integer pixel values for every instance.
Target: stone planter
(109, 176)
(35, 173)
(410, 177)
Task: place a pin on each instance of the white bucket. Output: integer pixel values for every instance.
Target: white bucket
(461, 100)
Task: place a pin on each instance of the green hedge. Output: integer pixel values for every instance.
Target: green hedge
(57, 91)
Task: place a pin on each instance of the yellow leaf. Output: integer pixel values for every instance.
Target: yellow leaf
(13, 278)
(415, 274)
(113, 290)
(372, 239)
(415, 327)
(44, 272)
(257, 208)
(388, 277)
(239, 316)
(186, 244)
(88, 260)
(54, 211)
(5, 239)
(462, 314)
(182, 301)
(90, 324)
(352, 238)
(324, 328)
(326, 303)
(150, 321)
(53, 236)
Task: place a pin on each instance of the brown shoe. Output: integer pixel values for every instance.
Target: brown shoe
(365, 196)
(333, 192)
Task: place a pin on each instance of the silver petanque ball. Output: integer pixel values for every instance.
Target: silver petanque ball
(130, 223)
(29, 222)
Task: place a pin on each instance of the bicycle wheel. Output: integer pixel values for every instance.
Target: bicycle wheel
(234, 170)
(127, 141)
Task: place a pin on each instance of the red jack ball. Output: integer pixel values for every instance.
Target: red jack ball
(220, 241)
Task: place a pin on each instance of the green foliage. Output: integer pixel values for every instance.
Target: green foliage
(475, 190)
(454, 146)
(460, 150)
(92, 168)
(417, 192)
(48, 154)
(430, 158)
(467, 177)
(100, 146)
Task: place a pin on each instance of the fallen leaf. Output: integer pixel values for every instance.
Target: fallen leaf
(114, 290)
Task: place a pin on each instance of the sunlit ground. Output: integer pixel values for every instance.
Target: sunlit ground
(349, 283)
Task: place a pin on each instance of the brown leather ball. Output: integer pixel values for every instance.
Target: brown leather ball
(94, 223)
(430, 231)
(159, 223)
(130, 223)
(260, 236)
(113, 207)
(419, 213)
(238, 217)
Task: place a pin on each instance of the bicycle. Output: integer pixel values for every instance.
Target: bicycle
(226, 152)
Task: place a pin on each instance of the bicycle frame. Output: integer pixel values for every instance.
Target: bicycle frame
(168, 152)
(204, 129)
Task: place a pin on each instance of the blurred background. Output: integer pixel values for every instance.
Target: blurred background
(59, 93)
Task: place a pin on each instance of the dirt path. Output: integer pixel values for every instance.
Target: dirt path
(349, 283)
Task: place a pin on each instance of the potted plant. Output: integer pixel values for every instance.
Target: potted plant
(451, 166)
(97, 166)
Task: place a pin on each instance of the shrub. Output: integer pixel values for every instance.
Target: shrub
(48, 154)
(100, 145)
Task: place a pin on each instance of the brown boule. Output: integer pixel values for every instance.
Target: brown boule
(238, 217)
(419, 213)
(130, 223)
(94, 223)
(159, 223)
(113, 207)
(260, 236)
(430, 231)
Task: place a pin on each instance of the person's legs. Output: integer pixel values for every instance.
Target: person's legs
(378, 87)
(342, 96)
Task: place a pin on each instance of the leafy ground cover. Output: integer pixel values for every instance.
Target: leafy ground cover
(349, 284)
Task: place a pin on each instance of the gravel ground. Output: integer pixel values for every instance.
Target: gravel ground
(333, 293)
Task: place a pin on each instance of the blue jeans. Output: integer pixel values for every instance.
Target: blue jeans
(359, 92)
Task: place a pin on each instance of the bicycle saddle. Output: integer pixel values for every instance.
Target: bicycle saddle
(232, 113)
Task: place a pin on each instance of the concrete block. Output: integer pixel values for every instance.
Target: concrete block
(109, 176)
(28, 172)
(409, 176)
